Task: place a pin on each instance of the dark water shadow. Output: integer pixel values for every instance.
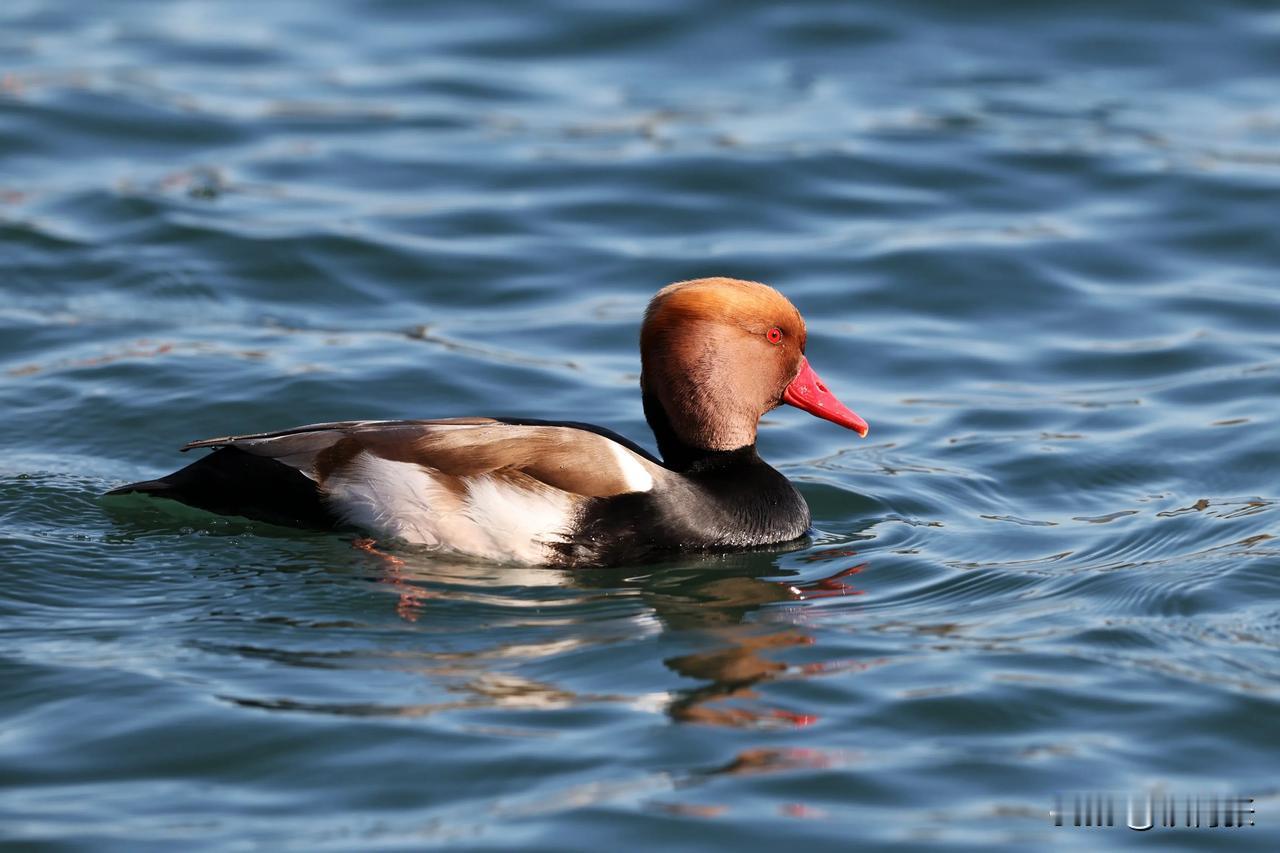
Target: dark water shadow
(713, 602)
(710, 601)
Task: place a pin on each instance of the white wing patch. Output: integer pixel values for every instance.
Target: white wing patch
(636, 476)
(493, 519)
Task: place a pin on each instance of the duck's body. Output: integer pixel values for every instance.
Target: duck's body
(541, 492)
(526, 492)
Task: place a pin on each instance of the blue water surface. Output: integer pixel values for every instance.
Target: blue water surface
(1036, 247)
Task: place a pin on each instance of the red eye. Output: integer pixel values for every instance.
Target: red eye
(774, 335)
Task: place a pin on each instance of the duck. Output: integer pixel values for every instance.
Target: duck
(716, 355)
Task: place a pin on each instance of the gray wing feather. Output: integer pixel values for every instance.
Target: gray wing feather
(560, 456)
(334, 430)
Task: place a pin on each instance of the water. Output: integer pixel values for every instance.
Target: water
(1036, 247)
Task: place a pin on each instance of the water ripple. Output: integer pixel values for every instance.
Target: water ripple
(1034, 247)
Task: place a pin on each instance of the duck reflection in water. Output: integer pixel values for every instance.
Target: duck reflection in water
(709, 600)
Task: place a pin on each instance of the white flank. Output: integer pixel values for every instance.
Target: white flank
(494, 519)
(637, 478)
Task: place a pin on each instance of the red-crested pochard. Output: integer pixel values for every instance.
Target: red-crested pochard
(716, 354)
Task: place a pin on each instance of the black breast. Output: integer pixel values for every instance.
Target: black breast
(723, 500)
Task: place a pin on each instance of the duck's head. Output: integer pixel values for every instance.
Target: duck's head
(716, 354)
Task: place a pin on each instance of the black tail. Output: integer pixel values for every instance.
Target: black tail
(230, 481)
(150, 487)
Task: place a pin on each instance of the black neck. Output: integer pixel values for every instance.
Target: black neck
(737, 498)
(722, 498)
(677, 454)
